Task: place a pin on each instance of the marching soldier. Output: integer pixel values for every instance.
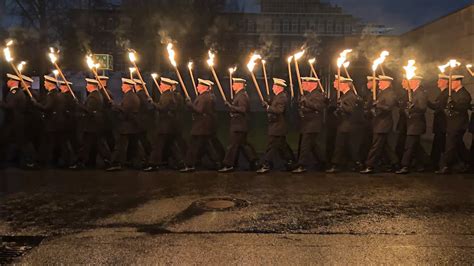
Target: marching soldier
(128, 127)
(165, 140)
(344, 112)
(382, 124)
(70, 125)
(15, 105)
(439, 120)
(402, 118)
(54, 107)
(145, 117)
(456, 125)
(203, 128)
(109, 114)
(277, 129)
(416, 124)
(239, 110)
(93, 128)
(311, 111)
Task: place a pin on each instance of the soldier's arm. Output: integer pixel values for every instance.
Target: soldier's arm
(462, 105)
(240, 106)
(164, 104)
(420, 105)
(278, 106)
(317, 105)
(9, 103)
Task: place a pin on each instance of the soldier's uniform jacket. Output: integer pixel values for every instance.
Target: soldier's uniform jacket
(70, 110)
(382, 122)
(276, 115)
(471, 123)
(16, 108)
(167, 108)
(179, 99)
(129, 109)
(54, 107)
(312, 112)
(345, 112)
(416, 123)
(93, 118)
(203, 114)
(458, 117)
(402, 97)
(438, 106)
(145, 116)
(239, 112)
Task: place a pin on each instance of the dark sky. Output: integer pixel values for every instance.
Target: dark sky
(403, 15)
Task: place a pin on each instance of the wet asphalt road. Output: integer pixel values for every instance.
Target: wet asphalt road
(134, 217)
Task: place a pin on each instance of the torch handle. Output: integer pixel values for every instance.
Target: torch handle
(230, 87)
(100, 84)
(21, 80)
(267, 88)
(292, 93)
(65, 81)
(192, 81)
(374, 87)
(141, 79)
(313, 71)
(298, 75)
(257, 87)
(157, 85)
(182, 82)
(218, 84)
(470, 71)
(349, 76)
(338, 83)
(450, 83)
(381, 68)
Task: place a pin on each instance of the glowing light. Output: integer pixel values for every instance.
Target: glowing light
(299, 55)
(171, 54)
(380, 60)
(210, 61)
(154, 75)
(233, 69)
(312, 60)
(21, 66)
(56, 73)
(289, 59)
(251, 64)
(131, 56)
(52, 55)
(410, 69)
(346, 64)
(342, 57)
(190, 65)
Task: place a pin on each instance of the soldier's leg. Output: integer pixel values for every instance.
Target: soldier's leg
(410, 150)
(375, 153)
(121, 147)
(46, 148)
(437, 148)
(195, 145)
(462, 150)
(306, 150)
(339, 149)
(232, 154)
(249, 151)
(271, 150)
(450, 153)
(146, 144)
(103, 149)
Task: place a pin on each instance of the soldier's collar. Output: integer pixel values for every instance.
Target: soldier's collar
(14, 88)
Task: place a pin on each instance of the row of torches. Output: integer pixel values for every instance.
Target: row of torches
(342, 64)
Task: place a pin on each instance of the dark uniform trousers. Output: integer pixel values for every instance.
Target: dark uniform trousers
(94, 143)
(277, 130)
(164, 145)
(309, 149)
(126, 146)
(344, 143)
(412, 150)
(457, 124)
(203, 140)
(239, 143)
(382, 124)
(437, 147)
(53, 142)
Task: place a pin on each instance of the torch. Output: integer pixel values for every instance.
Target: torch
(410, 73)
(346, 65)
(382, 57)
(315, 74)
(93, 67)
(289, 59)
(231, 72)
(210, 62)
(251, 64)
(265, 77)
(53, 56)
(451, 64)
(469, 66)
(377, 62)
(171, 55)
(9, 59)
(56, 73)
(340, 61)
(154, 76)
(131, 70)
(297, 56)
(133, 58)
(190, 68)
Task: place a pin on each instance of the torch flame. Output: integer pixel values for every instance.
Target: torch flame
(289, 59)
(299, 55)
(410, 69)
(264, 61)
(8, 55)
(233, 69)
(312, 60)
(469, 65)
(21, 65)
(90, 62)
(346, 64)
(171, 54)
(56, 73)
(342, 57)
(453, 63)
(443, 67)
(252, 60)
(210, 61)
(380, 60)
(9, 42)
(190, 65)
(154, 75)
(131, 56)
(132, 69)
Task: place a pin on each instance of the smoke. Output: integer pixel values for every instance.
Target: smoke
(215, 33)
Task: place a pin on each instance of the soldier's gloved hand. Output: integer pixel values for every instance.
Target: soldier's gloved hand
(326, 100)
(265, 105)
(34, 101)
(410, 105)
(375, 103)
(188, 101)
(407, 112)
(150, 100)
(228, 104)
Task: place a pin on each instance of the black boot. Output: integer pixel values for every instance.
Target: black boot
(226, 169)
(333, 170)
(299, 170)
(403, 171)
(187, 169)
(443, 171)
(264, 169)
(367, 171)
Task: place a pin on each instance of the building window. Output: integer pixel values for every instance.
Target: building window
(329, 27)
(294, 26)
(338, 28)
(276, 25)
(312, 25)
(286, 25)
(321, 27)
(251, 26)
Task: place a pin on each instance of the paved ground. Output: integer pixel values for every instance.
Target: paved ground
(134, 217)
